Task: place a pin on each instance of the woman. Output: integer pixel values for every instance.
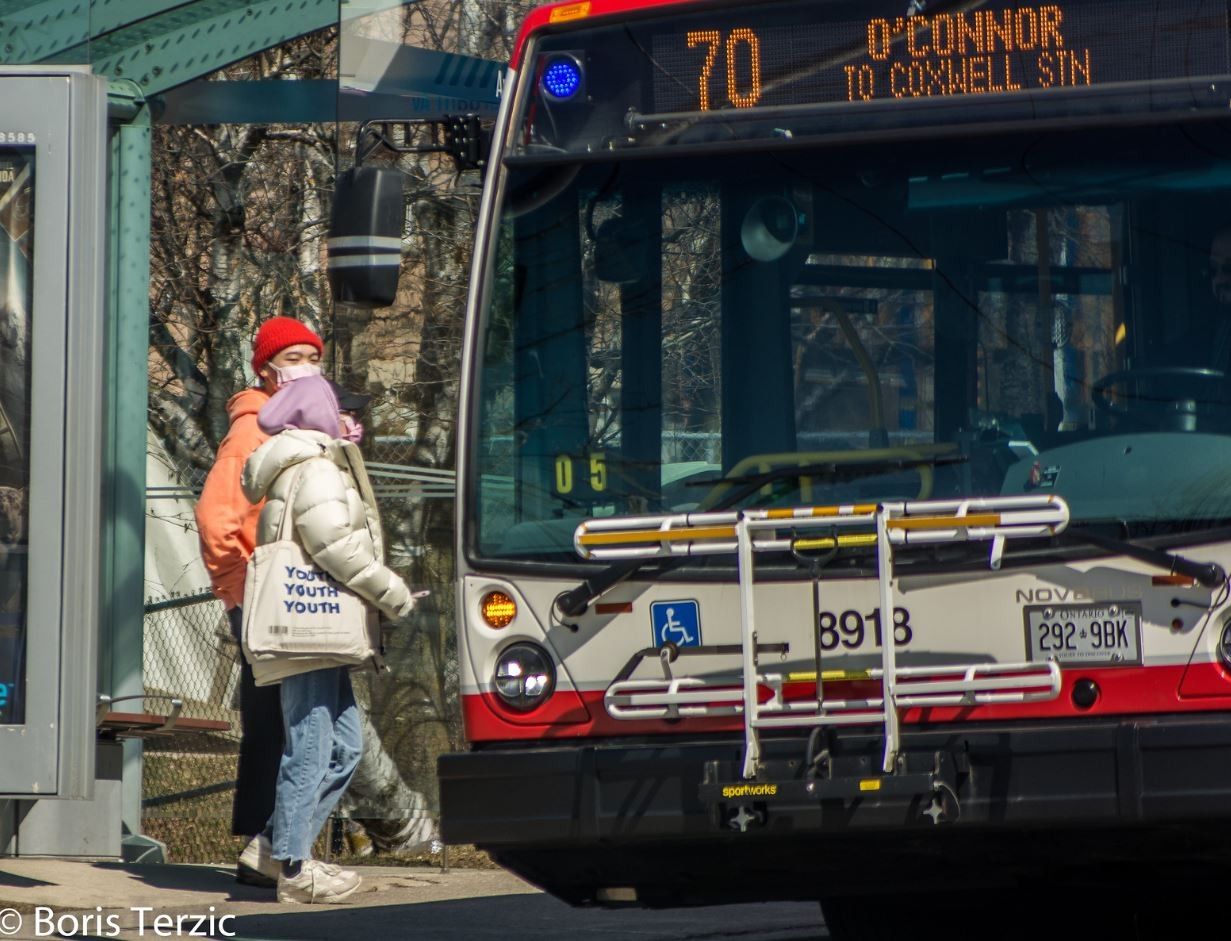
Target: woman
(334, 518)
(226, 521)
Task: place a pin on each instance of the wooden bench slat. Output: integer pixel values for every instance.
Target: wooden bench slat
(148, 721)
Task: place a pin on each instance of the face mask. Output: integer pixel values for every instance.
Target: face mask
(351, 429)
(285, 374)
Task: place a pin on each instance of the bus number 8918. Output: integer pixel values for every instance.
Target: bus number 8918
(849, 629)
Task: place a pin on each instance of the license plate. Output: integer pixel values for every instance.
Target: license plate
(1108, 634)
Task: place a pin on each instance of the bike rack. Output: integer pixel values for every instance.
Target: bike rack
(887, 526)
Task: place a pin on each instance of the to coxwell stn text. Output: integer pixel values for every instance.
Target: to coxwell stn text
(968, 53)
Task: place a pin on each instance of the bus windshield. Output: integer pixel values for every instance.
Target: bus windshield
(1035, 312)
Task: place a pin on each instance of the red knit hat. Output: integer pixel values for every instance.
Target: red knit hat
(276, 334)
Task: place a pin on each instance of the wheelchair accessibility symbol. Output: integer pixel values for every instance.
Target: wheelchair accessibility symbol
(676, 622)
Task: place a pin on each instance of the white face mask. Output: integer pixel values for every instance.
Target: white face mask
(285, 374)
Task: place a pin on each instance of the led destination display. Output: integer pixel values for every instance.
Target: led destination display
(744, 58)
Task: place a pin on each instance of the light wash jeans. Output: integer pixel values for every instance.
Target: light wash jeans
(322, 748)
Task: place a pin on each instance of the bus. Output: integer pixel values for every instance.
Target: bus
(844, 475)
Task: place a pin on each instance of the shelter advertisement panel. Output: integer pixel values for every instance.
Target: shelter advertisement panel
(16, 279)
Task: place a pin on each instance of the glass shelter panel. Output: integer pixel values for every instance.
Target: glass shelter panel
(390, 65)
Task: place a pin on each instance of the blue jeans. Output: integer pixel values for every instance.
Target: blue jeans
(322, 748)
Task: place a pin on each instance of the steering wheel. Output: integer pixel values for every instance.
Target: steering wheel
(756, 463)
(1161, 395)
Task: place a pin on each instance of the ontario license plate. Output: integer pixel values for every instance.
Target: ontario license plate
(1108, 633)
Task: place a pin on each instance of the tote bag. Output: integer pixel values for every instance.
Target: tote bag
(294, 608)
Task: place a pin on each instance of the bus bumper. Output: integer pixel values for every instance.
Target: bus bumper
(574, 817)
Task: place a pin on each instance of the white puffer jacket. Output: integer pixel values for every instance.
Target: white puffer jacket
(335, 520)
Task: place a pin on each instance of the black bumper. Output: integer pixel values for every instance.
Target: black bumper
(575, 816)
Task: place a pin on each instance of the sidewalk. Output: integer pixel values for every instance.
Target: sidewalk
(56, 898)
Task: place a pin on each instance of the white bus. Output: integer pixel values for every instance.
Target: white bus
(844, 491)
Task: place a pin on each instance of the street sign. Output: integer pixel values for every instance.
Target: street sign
(676, 622)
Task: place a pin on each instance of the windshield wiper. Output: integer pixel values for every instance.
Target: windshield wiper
(1207, 574)
(573, 603)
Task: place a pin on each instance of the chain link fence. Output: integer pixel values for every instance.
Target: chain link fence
(189, 777)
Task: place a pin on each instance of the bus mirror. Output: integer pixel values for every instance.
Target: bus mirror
(770, 228)
(365, 236)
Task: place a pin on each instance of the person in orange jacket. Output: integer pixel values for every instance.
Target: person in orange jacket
(283, 349)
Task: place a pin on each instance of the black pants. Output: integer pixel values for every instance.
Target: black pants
(260, 747)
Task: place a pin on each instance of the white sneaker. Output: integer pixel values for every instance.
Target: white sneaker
(318, 883)
(257, 865)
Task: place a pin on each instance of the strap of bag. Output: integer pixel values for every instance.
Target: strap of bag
(359, 472)
(284, 527)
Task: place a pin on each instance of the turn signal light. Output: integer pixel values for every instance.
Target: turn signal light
(498, 609)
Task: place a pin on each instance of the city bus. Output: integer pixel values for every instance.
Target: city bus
(844, 476)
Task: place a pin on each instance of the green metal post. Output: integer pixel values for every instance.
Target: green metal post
(125, 406)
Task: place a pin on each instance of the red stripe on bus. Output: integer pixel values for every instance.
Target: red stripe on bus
(1198, 687)
(486, 712)
(539, 18)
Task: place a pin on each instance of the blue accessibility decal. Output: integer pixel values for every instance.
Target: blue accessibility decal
(676, 622)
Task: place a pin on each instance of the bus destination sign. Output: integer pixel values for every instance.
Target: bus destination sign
(737, 60)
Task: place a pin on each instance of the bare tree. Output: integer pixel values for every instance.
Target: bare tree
(237, 221)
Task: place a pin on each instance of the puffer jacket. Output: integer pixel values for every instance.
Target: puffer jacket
(335, 520)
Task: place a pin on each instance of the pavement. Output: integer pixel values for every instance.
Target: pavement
(82, 899)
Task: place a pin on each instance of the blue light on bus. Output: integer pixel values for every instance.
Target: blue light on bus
(561, 79)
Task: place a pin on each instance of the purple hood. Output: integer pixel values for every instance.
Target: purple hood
(308, 404)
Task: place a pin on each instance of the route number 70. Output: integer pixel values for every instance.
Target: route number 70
(712, 40)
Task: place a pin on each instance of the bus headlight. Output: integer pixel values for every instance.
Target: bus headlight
(525, 676)
(1224, 645)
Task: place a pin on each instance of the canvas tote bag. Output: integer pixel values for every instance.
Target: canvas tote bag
(293, 608)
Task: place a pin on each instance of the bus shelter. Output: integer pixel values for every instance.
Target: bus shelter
(84, 85)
